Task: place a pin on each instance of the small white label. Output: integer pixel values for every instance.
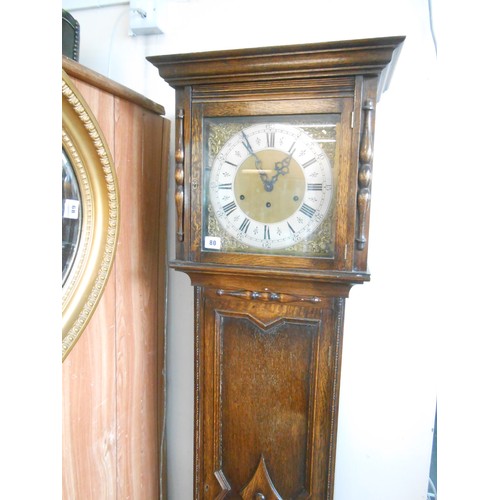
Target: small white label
(212, 243)
(71, 209)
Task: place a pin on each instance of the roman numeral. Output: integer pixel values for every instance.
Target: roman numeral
(244, 225)
(232, 164)
(267, 235)
(307, 210)
(270, 139)
(291, 228)
(315, 186)
(309, 163)
(225, 186)
(229, 208)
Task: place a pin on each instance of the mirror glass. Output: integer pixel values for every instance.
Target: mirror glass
(71, 216)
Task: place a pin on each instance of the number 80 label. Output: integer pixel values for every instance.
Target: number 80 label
(212, 243)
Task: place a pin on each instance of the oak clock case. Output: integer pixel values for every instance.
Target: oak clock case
(273, 164)
(90, 214)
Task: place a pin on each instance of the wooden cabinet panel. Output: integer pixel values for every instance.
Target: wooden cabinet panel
(113, 390)
(89, 408)
(89, 392)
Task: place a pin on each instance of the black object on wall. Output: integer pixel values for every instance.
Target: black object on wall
(70, 36)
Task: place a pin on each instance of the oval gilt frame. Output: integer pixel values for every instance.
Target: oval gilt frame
(86, 148)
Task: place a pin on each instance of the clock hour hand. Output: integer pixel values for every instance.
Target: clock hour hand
(282, 167)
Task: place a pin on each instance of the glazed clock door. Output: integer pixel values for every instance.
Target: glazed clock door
(271, 181)
(265, 418)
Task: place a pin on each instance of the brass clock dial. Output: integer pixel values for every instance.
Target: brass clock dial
(271, 185)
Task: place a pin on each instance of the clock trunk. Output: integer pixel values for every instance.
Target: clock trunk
(268, 376)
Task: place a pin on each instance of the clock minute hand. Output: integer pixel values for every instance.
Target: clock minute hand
(268, 185)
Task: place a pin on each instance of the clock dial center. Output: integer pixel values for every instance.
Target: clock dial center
(279, 196)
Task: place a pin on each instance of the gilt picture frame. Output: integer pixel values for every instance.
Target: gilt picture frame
(96, 208)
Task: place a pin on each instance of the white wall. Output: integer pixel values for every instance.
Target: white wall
(389, 364)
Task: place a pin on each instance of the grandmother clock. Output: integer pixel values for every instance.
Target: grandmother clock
(274, 151)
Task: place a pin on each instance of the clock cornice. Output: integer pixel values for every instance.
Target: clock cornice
(315, 60)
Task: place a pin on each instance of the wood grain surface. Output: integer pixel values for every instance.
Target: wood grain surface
(113, 391)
